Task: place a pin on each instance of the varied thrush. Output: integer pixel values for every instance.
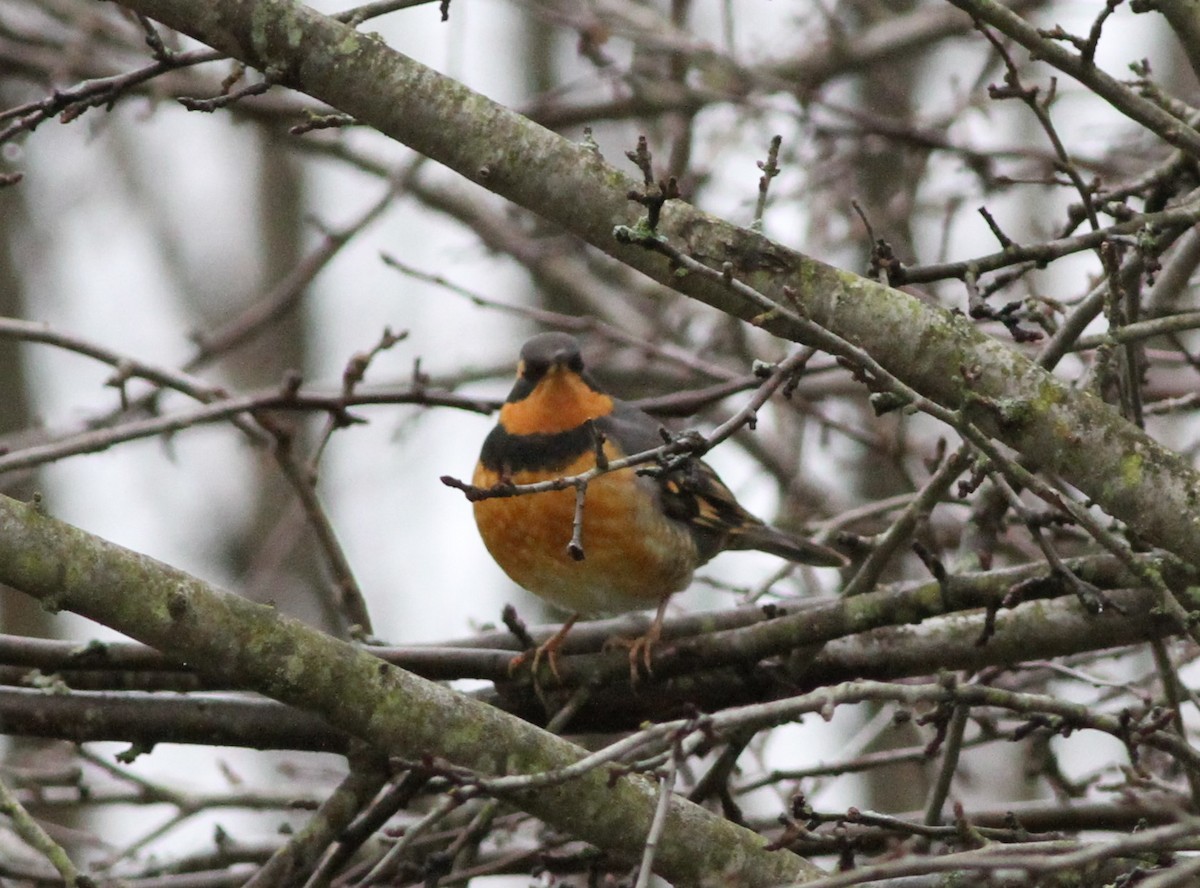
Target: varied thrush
(644, 530)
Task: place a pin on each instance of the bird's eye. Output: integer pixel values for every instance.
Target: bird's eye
(575, 363)
(533, 368)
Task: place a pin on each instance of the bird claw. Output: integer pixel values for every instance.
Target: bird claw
(640, 650)
(537, 654)
(547, 650)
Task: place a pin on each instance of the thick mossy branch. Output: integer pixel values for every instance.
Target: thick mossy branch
(398, 713)
(942, 356)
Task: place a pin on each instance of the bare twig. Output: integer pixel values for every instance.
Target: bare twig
(33, 835)
(666, 785)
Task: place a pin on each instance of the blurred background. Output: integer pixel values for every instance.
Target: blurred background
(216, 242)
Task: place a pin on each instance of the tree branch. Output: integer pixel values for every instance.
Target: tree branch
(954, 364)
(396, 712)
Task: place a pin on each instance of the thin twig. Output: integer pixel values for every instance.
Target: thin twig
(219, 411)
(384, 867)
(906, 523)
(1171, 690)
(666, 785)
(36, 837)
(770, 169)
(575, 546)
(950, 754)
(1185, 214)
(1126, 100)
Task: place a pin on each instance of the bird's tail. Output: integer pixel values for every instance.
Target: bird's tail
(765, 538)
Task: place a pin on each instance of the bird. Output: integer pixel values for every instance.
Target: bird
(644, 530)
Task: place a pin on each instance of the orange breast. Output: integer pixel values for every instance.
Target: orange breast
(633, 555)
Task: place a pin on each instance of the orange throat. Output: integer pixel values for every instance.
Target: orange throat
(560, 402)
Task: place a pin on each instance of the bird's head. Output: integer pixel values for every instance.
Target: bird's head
(553, 393)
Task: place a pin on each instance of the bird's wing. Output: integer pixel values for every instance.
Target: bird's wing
(692, 493)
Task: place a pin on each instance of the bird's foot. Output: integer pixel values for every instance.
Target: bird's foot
(547, 650)
(640, 651)
(641, 648)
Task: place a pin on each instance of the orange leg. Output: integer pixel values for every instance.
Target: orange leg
(548, 649)
(640, 648)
